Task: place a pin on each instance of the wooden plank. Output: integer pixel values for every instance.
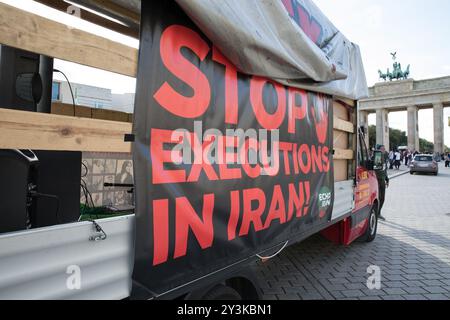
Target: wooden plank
(116, 9)
(65, 109)
(62, 6)
(84, 112)
(340, 140)
(343, 154)
(39, 131)
(62, 109)
(342, 125)
(28, 31)
(340, 170)
(111, 115)
(340, 111)
(347, 102)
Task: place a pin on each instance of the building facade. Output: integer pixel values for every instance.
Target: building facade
(93, 97)
(411, 96)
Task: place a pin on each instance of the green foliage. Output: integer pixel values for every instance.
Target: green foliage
(426, 146)
(399, 138)
(372, 136)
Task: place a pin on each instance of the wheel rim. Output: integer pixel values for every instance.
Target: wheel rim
(372, 222)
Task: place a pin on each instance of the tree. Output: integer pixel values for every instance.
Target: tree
(426, 146)
(398, 138)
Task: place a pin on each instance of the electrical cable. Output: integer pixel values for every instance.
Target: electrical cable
(87, 170)
(70, 87)
(89, 194)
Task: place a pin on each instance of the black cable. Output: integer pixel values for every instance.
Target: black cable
(89, 193)
(87, 170)
(70, 87)
(49, 196)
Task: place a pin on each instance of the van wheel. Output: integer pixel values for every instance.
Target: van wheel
(221, 292)
(371, 232)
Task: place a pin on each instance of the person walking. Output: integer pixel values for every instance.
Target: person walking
(383, 181)
(391, 159)
(447, 161)
(406, 157)
(398, 158)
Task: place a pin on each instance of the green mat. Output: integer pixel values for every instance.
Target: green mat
(88, 214)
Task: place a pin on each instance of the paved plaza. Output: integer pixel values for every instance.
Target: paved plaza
(412, 250)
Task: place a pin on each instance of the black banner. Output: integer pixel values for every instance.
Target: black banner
(227, 165)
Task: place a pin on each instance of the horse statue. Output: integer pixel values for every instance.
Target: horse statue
(406, 73)
(397, 73)
(383, 76)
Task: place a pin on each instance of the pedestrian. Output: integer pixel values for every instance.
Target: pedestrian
(410, 156)
(383, 182)
(398, 158)
(391, 159)
(447, 161)
(406, 158)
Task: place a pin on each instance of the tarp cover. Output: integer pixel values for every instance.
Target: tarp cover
(290, 41)
(227, 164)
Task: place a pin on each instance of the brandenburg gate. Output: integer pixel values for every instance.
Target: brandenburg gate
(410, 95)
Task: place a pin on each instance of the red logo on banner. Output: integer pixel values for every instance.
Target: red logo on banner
(319, 111)
(304, 20)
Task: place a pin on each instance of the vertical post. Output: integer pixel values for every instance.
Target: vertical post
(438, 116)
(364, 122)
(46, 72)
(383, 128)
(413, 129)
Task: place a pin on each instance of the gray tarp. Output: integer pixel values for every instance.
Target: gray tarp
(290, 41)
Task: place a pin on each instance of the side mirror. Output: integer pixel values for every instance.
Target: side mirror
(377, 163)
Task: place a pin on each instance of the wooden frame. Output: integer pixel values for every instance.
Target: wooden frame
(40, 131)
(62, 6)
(341, 154)
(31, 32)
(28, 130)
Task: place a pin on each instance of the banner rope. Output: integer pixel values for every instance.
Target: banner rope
(274, 255)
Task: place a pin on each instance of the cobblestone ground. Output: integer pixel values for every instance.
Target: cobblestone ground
(412, 250)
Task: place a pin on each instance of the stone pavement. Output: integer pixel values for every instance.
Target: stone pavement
(412, 250)
(395, 173)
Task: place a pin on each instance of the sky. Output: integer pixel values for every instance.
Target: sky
(419, 31)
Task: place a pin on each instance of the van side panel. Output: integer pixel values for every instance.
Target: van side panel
(62, 262)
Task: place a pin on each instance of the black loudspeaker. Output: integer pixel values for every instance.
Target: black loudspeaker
(58, 175)
(20, 82)
(18, 173)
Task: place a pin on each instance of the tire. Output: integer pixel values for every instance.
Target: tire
(371, 232)
(221, 292)
(411, 172)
